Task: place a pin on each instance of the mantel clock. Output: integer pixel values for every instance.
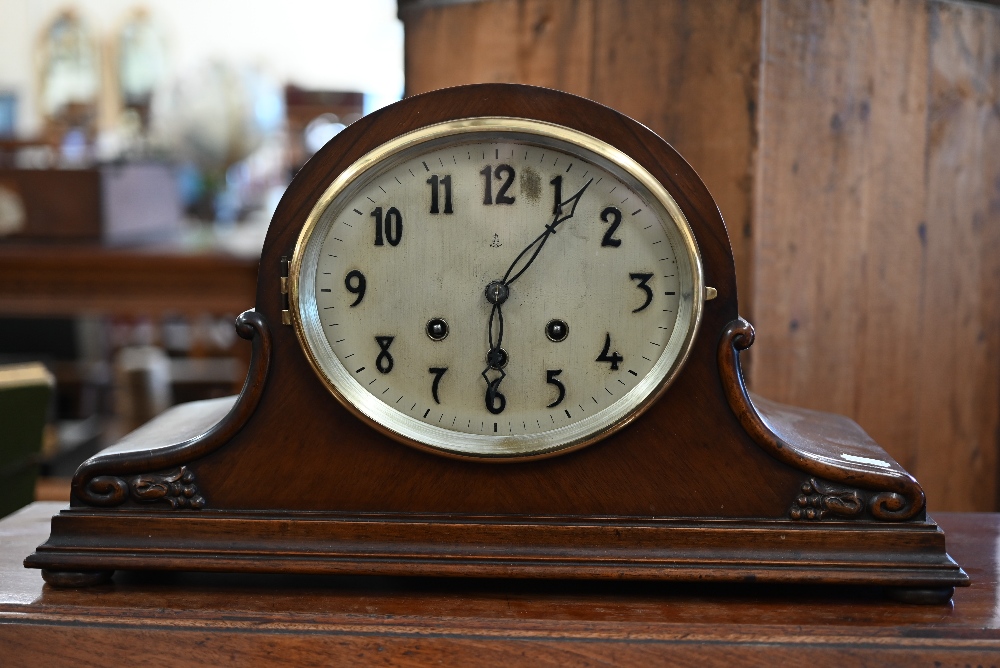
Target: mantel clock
(496, 334)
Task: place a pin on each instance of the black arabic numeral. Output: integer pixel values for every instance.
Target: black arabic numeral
(614, 359)
(557, 185)
(495, 401)
(434, 182)
(643, 280)
(487, 173)
(438, 371)
(384, 360)
(392, 224)
(359, 288)
(550, 378)
(613, 216)
(502, 197)
(377, 215)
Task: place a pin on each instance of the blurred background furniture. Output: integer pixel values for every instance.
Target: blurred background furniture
(853, 149)
(25, 390)
(141, 155)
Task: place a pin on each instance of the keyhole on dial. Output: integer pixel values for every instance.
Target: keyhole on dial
(557, 330)
(437, 329)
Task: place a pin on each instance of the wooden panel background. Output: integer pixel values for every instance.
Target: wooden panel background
(876, 229)
(853, 148)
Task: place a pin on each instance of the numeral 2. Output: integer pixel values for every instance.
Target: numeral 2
(613, 216)
(446, 182)
(502, 197)
(393, 226)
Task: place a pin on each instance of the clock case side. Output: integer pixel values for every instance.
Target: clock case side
(702, 469)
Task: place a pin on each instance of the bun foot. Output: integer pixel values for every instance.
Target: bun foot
(76, 578)
(928, 596)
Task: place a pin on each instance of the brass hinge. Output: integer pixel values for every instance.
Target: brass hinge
(286, 315)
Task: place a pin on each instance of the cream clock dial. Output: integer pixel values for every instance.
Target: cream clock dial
(496, 288)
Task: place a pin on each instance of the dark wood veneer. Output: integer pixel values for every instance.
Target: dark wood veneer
(704, 485)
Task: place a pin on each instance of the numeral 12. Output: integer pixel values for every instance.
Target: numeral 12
(502, 196)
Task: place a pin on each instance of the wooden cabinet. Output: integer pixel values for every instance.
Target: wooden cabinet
(854, 150)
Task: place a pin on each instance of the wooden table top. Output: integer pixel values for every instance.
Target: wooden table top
(212, 619)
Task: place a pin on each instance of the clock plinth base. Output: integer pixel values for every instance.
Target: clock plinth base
(909, 559)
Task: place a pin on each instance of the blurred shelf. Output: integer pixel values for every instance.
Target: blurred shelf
(66, 280)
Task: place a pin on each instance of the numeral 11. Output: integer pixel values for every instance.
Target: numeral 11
(446, 182)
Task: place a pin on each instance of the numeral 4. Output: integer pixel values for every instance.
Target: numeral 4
(614, 358)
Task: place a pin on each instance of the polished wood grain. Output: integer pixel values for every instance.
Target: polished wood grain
(213, 619)
(51, 279)
(851, 147)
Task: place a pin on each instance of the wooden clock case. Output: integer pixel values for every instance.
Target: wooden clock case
(710, 483)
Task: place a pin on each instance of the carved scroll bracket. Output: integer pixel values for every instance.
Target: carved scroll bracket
(159, 474)
(897, 495)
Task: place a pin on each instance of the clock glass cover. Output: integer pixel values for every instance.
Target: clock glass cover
(496, 288)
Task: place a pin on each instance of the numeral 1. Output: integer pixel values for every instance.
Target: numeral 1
(446, 182)
(557, 185)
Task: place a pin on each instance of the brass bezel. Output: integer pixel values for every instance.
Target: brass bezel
(413, 432)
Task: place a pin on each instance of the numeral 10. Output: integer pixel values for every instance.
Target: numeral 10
(393, 226)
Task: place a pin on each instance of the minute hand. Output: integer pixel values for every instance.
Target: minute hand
(564, 211)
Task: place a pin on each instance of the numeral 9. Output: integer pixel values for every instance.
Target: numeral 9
(356, 288)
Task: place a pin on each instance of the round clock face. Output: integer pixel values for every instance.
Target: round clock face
(496, 288)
